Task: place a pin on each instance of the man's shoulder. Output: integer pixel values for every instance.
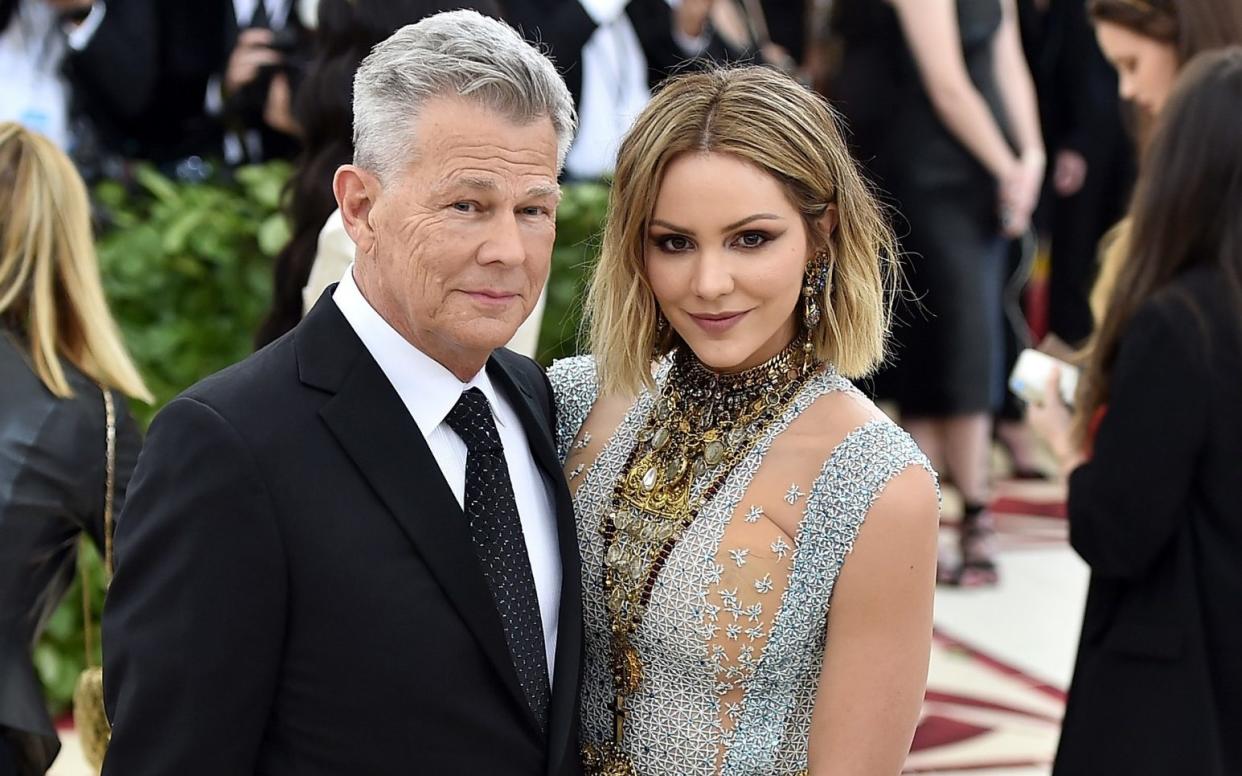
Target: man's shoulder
(254, 388)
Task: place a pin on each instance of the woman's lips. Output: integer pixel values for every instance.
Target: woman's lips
(718, 323)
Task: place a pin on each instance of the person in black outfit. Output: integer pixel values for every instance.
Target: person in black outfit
(1155, 500)
(612, 53)
(58, 346)
(172, 81)
(942, 110)
(354, 552)
(1093, 162)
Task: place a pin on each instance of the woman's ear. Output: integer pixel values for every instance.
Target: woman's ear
(827, 221)
(356, 193)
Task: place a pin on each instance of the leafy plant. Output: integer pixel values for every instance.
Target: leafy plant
(187, 269)
(579, 221)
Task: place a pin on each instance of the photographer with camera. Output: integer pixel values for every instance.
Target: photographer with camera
(183, 84)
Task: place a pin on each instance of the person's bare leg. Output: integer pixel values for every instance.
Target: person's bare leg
(1016, 437)
(968, 440)
(928, 434)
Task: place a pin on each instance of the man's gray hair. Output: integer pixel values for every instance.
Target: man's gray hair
(455, 53)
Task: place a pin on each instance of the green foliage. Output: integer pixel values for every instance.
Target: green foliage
(187, 269)
(579, 221)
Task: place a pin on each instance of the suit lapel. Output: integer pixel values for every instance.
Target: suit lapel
(373, 426)
(568, 665)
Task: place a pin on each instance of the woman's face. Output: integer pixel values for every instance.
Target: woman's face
(725, 255)
(1146, 67)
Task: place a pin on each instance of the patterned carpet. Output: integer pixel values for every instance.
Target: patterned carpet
(983, 714)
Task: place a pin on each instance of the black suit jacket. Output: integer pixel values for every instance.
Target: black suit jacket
(1157, 514)
(297, 593)
(142, 79)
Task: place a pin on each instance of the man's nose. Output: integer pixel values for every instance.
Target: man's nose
(504, 240)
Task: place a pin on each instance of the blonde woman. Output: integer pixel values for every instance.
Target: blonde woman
(730, 482)
(58, 348)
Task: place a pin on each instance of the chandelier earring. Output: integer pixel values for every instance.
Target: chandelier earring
(661, 331)
(814, 283)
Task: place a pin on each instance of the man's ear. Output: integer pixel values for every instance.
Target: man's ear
(356, 193)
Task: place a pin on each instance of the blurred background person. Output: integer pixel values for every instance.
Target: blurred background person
(58, 348)
(1153, 446)
(1093, 160)
(346, 30)
(182, 83)
(611, 53)
(32, 48)
(1148, 41)
(1084, 195)
(942, 106)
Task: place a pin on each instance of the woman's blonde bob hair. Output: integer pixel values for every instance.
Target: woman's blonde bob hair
(769, 120)
(50, 292)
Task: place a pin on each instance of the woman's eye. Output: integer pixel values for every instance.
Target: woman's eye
(752, 239)
(674, 243)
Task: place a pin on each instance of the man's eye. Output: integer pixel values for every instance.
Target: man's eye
(465, 207)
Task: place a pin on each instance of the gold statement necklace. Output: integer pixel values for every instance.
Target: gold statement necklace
(701, 424)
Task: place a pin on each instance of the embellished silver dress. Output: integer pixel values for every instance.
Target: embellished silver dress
(734, 634)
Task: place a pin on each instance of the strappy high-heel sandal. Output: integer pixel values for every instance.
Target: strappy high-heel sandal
(978, 543)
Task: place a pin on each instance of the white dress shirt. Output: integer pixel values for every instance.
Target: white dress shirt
(429, 391)
(277, 11)
(614, 86)
(614, 90)
(32, 90)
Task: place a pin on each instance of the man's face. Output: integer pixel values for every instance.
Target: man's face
(460, 241)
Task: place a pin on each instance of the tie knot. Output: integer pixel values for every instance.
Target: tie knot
(471, 418)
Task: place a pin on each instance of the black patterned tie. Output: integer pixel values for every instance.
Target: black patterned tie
(491, 510)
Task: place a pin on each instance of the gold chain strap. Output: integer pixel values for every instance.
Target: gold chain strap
(109, 497)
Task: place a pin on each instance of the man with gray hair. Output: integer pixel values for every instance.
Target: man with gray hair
(354, 552)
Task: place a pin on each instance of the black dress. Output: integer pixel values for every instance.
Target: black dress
(1157, 515)
(947, 357)
(52, 456)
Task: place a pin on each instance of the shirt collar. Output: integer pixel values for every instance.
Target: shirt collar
(428, 390)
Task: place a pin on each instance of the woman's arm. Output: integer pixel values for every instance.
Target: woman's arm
(1021, 194)
(879, 636)
(931, 32)
(1017, 89)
